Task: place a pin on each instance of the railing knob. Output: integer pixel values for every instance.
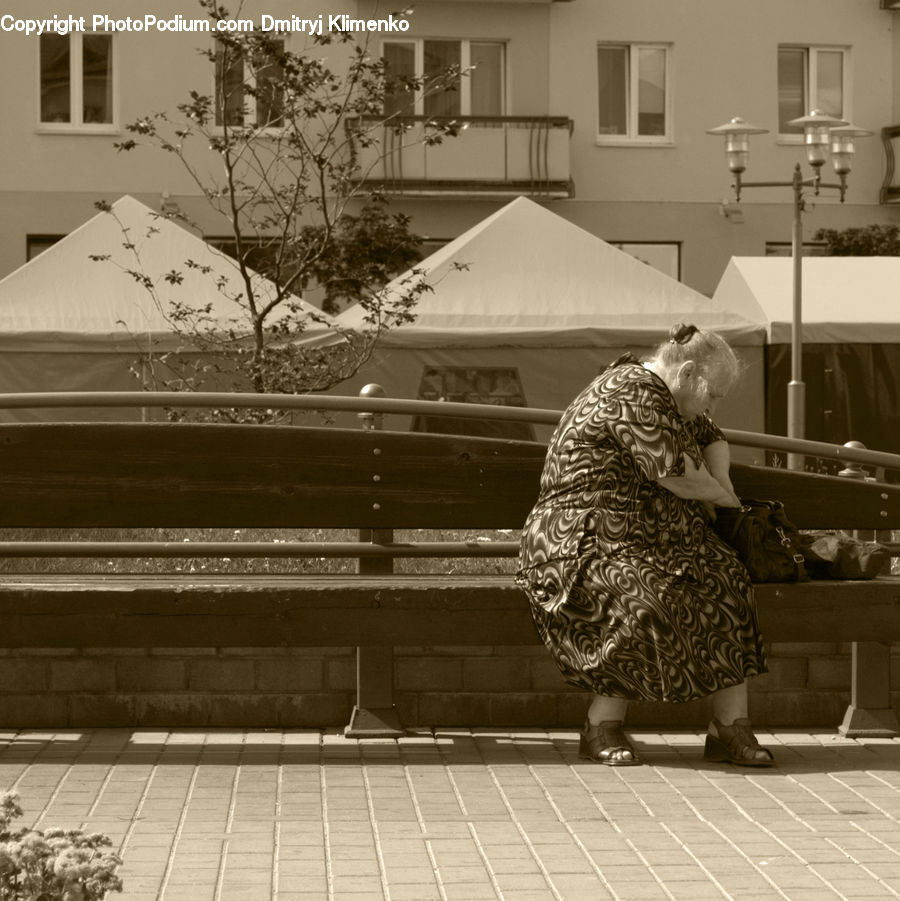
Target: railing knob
(853, 470)
(372, 420)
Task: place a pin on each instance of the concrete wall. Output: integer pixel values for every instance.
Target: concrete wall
(808, 686)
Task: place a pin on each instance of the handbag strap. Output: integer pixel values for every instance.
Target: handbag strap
(798, 558)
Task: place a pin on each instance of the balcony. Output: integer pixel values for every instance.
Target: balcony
(504, 156)
(890, 189)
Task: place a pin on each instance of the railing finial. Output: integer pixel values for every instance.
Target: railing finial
(853, 470)
(372, 420)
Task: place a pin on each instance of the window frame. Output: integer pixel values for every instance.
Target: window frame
(76, 125)
(249, 100)
(631, 138)
(465, 61)
(810, 86)
(36, 244)
(670, 250)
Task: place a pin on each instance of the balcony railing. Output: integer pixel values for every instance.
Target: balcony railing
(490, 155)
(890, 190)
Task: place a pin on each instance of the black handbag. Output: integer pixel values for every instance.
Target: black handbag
(766, 541)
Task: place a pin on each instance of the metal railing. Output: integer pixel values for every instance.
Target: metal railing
(890, 190)
(403, 406)
(488, 154)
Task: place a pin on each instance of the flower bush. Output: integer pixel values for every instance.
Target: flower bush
(53, 864)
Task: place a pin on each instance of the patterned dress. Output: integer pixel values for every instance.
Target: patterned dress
(631, 590)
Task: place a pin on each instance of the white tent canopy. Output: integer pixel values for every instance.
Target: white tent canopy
(68, 323)
(62, 300)
(844, 299)
(534, 279)
(850, 313)
(541, 307)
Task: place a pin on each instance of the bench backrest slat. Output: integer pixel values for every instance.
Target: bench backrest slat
(133, 475)
(815, 501)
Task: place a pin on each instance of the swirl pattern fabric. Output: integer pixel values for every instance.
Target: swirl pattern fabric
(632, 592)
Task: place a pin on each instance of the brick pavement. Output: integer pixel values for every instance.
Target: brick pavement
(460, 815)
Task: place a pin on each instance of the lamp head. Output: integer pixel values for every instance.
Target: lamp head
(737, 133)
(816, 129)
(843, 146)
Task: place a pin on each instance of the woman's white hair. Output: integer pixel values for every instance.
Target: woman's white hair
(707, 349)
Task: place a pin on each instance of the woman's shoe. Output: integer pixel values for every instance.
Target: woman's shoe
(606, 743)
(736, 744)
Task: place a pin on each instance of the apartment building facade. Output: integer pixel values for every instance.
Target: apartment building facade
(598, 109)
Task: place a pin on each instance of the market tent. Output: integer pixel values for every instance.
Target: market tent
(69, 323)
(851, 341)
(526, 308)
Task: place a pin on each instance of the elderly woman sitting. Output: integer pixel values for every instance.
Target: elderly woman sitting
(631, 590)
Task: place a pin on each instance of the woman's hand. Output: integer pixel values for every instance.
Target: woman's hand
(698, 484)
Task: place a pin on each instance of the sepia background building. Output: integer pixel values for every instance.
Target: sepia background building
(596, 108)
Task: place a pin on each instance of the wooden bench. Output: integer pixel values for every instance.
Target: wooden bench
(140, 475)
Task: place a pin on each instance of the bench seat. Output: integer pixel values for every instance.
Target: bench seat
(396, 609)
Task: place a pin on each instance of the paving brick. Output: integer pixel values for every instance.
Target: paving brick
(221, 675)
(82, 675)
(155, 674)
(289, 674)
(340, 673)
(829, 672)
(803, 649)
(311, 709)
(33, 711)
(428, 674)
(804, 708)
(523, 708)
(499, 674)
(784, 673)
(172, 710)
(454, 708)
(23, 674)
(92, 710)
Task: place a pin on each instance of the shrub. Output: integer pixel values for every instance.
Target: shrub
(55, 864)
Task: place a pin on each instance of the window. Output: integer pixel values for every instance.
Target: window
(480, 93)
(37, 244)
(662, 255)
(633, 93)
(785, 249)
(810, 78)
(263, 105)
(77, 80)
(480, 385)
(257, 252)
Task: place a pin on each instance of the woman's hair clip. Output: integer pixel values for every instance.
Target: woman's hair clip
(681, 333)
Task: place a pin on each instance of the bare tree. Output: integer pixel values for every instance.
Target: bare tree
(287, 128)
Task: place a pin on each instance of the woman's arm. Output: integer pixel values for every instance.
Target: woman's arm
(699, 484)
(718, 459)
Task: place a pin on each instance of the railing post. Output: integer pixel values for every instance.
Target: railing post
(870, 714)
(374, 714)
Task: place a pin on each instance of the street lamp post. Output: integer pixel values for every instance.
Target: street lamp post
(819, 131)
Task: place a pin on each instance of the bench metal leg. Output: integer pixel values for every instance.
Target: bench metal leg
(870, 714)
(374, 715)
